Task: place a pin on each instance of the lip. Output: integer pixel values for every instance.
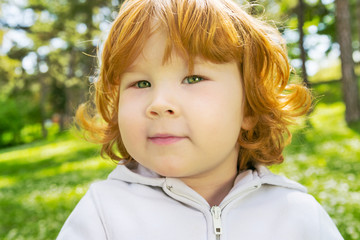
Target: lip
(165, 139)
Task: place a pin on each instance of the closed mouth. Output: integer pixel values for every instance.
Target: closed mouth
(165, 139)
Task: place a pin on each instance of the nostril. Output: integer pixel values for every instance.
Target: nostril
(154, 113)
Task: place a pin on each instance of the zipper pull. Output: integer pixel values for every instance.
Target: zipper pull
(216, 215)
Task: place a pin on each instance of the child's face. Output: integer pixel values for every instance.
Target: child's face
(179, 125)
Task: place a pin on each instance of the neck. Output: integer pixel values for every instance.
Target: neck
(214, 190)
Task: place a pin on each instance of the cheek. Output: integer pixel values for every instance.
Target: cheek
(224, 114)
(130, 124)
(223, 106)
(130, 110)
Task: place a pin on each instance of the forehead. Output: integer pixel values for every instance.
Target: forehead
(154, 54)
(153, 47)
(158, 50)
(191, 28)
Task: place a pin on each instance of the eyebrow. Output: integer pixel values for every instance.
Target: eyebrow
(132, 69)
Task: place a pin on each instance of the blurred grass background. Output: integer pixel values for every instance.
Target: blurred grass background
(41, 182)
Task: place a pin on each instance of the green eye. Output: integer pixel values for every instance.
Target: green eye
(193, 79)
(143, 84)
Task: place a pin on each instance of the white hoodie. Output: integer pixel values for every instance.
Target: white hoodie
(137, 204)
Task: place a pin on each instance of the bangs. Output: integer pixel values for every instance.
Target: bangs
(205, 29)
(200, 29)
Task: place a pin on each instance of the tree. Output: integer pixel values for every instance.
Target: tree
(300, 12)
(349, 81)
(63, 38)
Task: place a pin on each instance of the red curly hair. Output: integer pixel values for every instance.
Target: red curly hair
(218, 31)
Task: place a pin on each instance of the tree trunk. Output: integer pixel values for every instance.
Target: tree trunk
(301, 10)
(349, 81)
(358, 17)
(42, 106)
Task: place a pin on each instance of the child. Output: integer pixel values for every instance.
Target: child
(195, 104)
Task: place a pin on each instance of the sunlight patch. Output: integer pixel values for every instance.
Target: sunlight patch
(7, 181)
(34, 153)
(90, 164)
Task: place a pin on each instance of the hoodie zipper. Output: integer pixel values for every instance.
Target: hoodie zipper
(216, 216)
(215, 210)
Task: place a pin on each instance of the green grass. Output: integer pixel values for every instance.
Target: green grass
(41, 182)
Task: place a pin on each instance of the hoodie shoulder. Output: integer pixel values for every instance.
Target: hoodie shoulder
(269, 178)
(287, 203)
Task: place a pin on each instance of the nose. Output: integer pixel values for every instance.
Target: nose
(162, 106)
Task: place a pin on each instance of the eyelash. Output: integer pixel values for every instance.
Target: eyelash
(185, 81)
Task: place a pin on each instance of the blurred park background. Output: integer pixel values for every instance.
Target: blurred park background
(47, 60)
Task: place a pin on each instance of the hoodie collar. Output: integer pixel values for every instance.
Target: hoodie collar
(136, 173)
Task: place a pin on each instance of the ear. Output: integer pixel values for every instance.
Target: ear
(249, 122)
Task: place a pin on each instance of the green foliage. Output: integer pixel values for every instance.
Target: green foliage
(14, 116)
(330, 73)
(52, 71)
